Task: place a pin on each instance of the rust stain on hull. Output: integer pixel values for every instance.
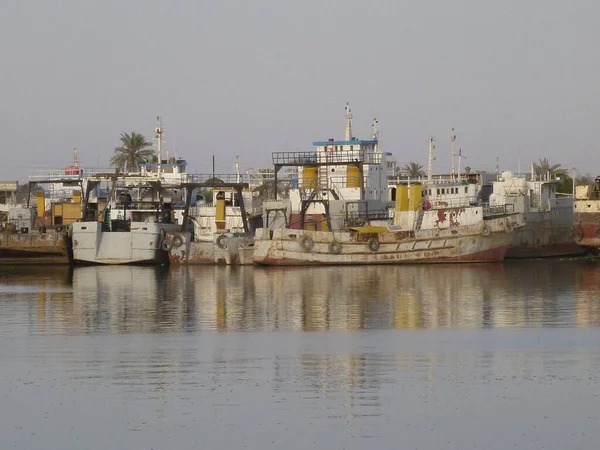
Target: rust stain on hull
(493, 255)
(486, 241)
(229, 250)
(586, 230)
(33, 247)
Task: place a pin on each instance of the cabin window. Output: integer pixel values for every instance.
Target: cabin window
(466, 190)
(352, 147)
(429, 191)
(443, 191)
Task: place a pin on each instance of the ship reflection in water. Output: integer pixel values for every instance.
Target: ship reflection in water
(538, 294)
(233, 357)
(156, 299)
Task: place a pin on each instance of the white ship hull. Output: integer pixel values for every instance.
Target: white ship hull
(140, 245)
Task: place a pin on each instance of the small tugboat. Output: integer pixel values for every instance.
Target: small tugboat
(586, 220)
(344, 216)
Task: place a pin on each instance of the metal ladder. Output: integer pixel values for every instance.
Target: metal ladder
(419, 221)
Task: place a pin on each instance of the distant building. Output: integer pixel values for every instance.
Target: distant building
(8, 193)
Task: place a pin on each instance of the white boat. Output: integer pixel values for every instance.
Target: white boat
(139, 243)
(126, 215)
(129, 229)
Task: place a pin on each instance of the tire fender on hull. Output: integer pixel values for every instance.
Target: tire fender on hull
(486, 231)
(307, 243)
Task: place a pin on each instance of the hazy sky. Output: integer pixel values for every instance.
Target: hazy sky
(518, 79)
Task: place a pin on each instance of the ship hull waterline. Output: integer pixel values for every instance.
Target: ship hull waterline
(141, 245)
(223, 249)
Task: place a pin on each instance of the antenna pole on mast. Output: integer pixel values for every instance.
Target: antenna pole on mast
(348, 133)
(453, 138)
(497, 167)
(430, 163)
(159, 132)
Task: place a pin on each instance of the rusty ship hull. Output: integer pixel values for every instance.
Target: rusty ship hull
(38, 248)
(485, 242)
(545, 234)
(586, 224)
(223, 249)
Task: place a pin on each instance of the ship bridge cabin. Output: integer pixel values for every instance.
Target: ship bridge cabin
(349, 170)
(337, 180)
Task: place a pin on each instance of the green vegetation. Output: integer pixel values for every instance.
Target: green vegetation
(132, 153)
(544, 168)
(414, 170)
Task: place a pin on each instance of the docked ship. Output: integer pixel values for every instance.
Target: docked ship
(25, 239)
(125, 228)
(586, 220)
(343, 215)
(126, 215)
(222, 229)
(548, 216)
(48, 247)
(36, 231)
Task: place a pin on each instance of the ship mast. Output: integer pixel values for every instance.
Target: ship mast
(348, 135)
(430, 161)
(375, 134)
(159, 131)
(375, 131)
(453, 138)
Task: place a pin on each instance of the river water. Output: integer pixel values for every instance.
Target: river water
(489, 356)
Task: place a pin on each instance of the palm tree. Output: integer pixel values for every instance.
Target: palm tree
(414, 170)
(545, 168)
(132, 153)
(584, 180)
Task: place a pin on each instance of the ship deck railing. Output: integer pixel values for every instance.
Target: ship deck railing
(498, 210)
(220, 178)
(451, 202)
(372, 214)
(446, 179)
(322, 158)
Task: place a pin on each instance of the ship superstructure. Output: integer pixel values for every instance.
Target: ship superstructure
(344, 184)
